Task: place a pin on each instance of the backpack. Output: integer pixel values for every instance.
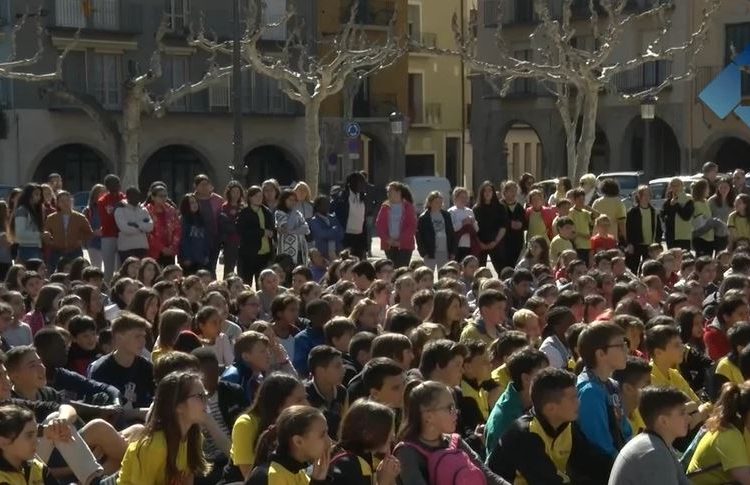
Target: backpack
(451, 465)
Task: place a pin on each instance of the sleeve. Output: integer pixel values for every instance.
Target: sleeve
(301, 351)
(413, 467)
(138, 465)
(303, 229)
(593, 419)
(730, 446)
(86, 231)
(89, 387)
(589, 462)
(281, 220)
(145, 223)
(121, 219)
(22, 231)
(244, 437)
(686, 211)
(381, 224)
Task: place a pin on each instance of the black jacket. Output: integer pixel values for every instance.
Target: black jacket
(633, 229)
(669, 212)
(491, 218)
(340, 208)
(426, 234)
(248, 226)
(232, 401)
(515, 237)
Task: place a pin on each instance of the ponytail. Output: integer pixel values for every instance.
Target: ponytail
(267, 444)
(731, 408)
(293, 421)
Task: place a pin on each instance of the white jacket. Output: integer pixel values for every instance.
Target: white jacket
(132, 236)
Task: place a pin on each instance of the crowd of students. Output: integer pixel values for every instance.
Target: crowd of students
(589, 356)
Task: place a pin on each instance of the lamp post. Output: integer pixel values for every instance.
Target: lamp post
(236, 86)
(396, 119)
(648, 113)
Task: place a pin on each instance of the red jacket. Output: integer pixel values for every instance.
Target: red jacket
(717, 343)
(107, 204)
(548, 216)
(408, 226)
(167, 230)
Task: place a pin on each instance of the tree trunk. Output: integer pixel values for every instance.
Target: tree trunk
(131, 133)
(312, 145)
(588, 131)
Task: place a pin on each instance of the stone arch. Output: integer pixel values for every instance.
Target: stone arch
(81, 166)
(272, 160)
(517, 136)
(176, 165)
(729, 150)
(665, 148)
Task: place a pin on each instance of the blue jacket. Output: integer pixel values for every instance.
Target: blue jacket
(194, 246)
(303, 344)
(239, 373)
(601, 416)
(323, 232)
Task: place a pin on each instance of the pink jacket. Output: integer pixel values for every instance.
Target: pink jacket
(408, 226)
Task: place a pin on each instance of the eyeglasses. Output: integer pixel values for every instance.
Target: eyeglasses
(203, 396)
(451, 408)
(623, 346)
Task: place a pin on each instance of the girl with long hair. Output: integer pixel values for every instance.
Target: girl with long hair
(164, 239)
(27, 223)
(91, 211)
(525, 184)
(195, 250)
(271, 193)
(492, 220)
(299, 437)
(255, 225)
(304, 200)
(128, 269)
(148, 272)
(537, 252)
(121, 295)
(234, 201)
(14, 276)
(170, 450)
(721, 206)
(171, 323)
(396, 224)
(277, 392)
(145, 303)
(291, 228)
(349, 206)
(446, 311)
(738, 223)
(45, 307)
(366, 315)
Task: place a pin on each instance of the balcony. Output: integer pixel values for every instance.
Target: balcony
(643, 77)
(376, 13)
(423, 39)
(433, 114)
(103, 15)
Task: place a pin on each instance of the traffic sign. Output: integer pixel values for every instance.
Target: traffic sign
(353, 130)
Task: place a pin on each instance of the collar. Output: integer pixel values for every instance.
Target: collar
(547, 427)
(288, 462)
(320, 394)
(473, 383)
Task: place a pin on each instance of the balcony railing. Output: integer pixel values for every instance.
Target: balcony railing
(522, 11)
(433, 114)
(104, 15)
(369, 12)
(704, 75)
(425, 39)
(643, 77)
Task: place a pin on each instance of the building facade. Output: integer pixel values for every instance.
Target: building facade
(684, 134)
(43, 133)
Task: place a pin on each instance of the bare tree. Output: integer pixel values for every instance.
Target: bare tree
(576, 75)
(309, 77)
(138, 101)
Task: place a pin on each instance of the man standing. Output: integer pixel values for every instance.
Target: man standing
(210, 208)
(738, 183)
(107, 204)
(55, 181)
(710, 172)
(66, 230)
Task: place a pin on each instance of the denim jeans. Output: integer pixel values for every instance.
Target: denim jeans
(109, 257)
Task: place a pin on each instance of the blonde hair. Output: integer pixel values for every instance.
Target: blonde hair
(491, 284)
(510, 184)
(460, 190)
(523, 317)
(602, 219)
(306, 188)
(588, 179)
(360, 307)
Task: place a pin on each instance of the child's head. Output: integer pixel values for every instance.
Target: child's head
(424, 278)
(732, 309)
(52, 346)
(663, 411)
(603, 224)
(665, 345)
(493, 305)
(32, 283)
(527, 322)
(366, 315)
(363, 274)
(563, 207)
(318, 312)
(442, 360)
(430, 408)
(523, 365)
(367, 427)
(208, 322)
(176, 361)
(505, 345)
(477, 365)
(300, 276)
(602, 346)
(65, 314)
(566, 227)
(301, 433)
(559, 319)
(326, 365)
(739, 337)
(383, 380)
(594, 305)
(252, 348)
(394, 346)
(285, 309)
(269, 281)
(573, 301)
(26, 369)
(18, 434)
(129, 333)
(632, 379)
(554, 395)
(171, 323)
(401, 321)
(338, 333)
(423, 302)
(360, 347)
(633, 328)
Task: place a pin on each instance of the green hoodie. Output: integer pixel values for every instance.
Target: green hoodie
(506, 410)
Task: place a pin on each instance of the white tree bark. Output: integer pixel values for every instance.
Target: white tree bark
(312, 143)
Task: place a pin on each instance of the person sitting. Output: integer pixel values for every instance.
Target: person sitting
(728, 368)
(252, 360)
(318, 312)
(492, 306)
(648, 459)
(324, 389)
(632, 379)
(547, 447)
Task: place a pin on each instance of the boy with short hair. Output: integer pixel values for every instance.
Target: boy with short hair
(383, 380)
(476, 385)
(632, 379)
(442, 360)
(338, 334)
(547, 447)
(17, 332)
(324, 389)
(395, 347)
(125, 368)
(502, 348)
(359, 353)
(363, 274)
(649, 457)
(516, 399)
(492, 305)
(83, 348)
(602, 419)
(318, 312)
(655, 294)
(566, 232)
(252, 360)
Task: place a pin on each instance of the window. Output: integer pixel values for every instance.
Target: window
(176, 74)
(219, 95)
(737, 37)
(420, 165)
(415, 22)
(416, 98)
(105, 78)
(178, 12)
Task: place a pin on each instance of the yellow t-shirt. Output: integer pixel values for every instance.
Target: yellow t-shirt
(556, 247)
(702, 210)
(615, 209)
(472, 332)
(265, 247)
(727, 369)
(636, 422)
(480, 397)
(683, 228)
(728, 447)
(647, 226)
(674, 380)
(244, 440)
(501, 375)
(537, 227)
(740, 225)
(583, 223)
(145, 461)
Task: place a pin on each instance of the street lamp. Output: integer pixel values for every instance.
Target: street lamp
(648, 114)
(397, 123)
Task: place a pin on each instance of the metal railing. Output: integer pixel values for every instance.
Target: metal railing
(433, 114)
(703, 77)
(369, 12)
(645, 76)
(104, 15)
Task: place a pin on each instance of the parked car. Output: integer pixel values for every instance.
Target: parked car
(628, 182)
(659, 188)
(421, 187)
(548, 187)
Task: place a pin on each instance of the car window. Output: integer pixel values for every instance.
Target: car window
(627, 184)
(658, 190)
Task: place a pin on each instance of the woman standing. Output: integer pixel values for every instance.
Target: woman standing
(164, 240)
(396, 224)
(436, 240)
(464, 224)
(271, 194)
(737, 223)
(678, 216)
(304, 200)
(234, 197)
(643, 228)
(349, 208)
(492, 221)
(703, 233)
(325, 229)
(91, 211)
(292, 228)
(516, 224)
(588, 184)
(255, 225)
(195, 250)
(721, 206)
(27, 223)
(563, 186)
(525, 184)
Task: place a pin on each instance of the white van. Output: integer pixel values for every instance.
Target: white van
(421, 187)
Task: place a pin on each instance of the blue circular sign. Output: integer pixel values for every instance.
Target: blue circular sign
(353, 130)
